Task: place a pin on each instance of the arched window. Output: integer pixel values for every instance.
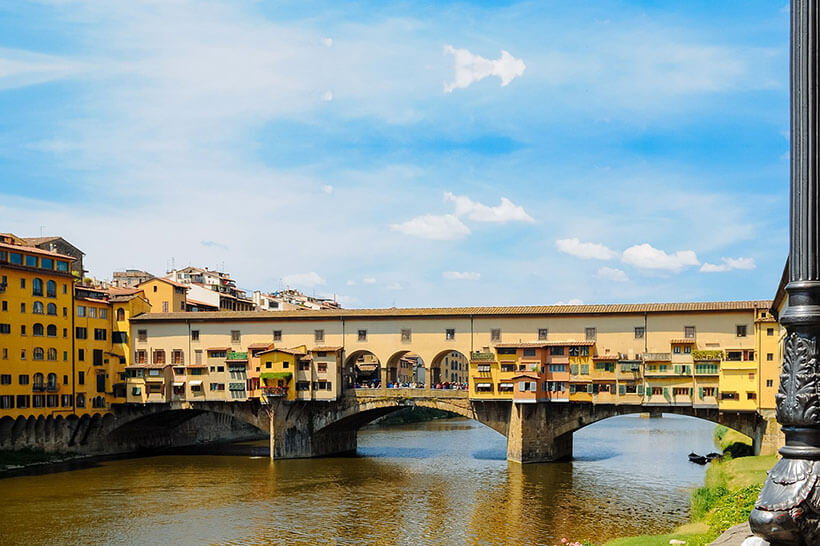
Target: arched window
(51, 330)
(37, 308)
(38, 380)
(51, 289)
(51, 309)
(52, 354)
(120, 314)
(80, 400)
(52, 380)
(37, 330)
(39, 353)
(37, 287)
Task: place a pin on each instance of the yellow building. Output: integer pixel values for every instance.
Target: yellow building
(767, 336)
(278, 368)
(36, 291)
(165, 295)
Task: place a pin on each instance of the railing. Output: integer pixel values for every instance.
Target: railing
(407, 393)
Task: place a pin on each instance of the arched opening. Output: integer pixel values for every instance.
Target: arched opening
(405, 369)
(120, 314)
(362, 369)
(449, 369)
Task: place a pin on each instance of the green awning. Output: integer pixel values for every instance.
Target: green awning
(276, 375)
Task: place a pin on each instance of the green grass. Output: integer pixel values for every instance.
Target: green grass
(730, 491)
(25, 457)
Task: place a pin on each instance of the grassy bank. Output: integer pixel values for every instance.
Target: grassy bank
(415, 414)
(25, 457)
(730, 491)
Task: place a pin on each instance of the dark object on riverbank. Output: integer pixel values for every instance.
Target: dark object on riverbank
(712, 456)
(697, 459)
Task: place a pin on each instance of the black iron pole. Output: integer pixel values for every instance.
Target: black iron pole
(788, 509)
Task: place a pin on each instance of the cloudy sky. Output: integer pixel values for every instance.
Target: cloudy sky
(408, 153)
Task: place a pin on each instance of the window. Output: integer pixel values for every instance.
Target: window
(5, 354)
(194, 335)
(23, 401)
(51, 289)
(741, 330)
(142, 335)
(31, 261)
(37, 308)
(573, 351)
(81, 332)
(450, 334)
(51, 354)
(38, 353)
(159, 356)
(92, 312)
(23, 379)
(769, 356)
(22, 307)
(81, 355)
(557, 368)
(406, 334)
(103, 313)
(680, 391)
(590, 333)
(100, 334)
(120, 314)
(321, 367)
(97, 357)
(277, 335)
(584, 369)
(495, 334)
(304, 366)
(164, 306)
(65, 332)
(770, 382)
(37, 330)
(688, 331)
(734, 356)
(543, 333)
(119, 337)
(37, 287)
(81, 399)
(585, 350)
(676, 349)
(5, 306)
(51, 309)
(81, 310)
(235, 336)
(362, 335)
(687, 349)
(769, 331)
(177, 357)
(16, 258)
(5, 328)
(751, 396)
(556, 351)
(5, 379)
(65, 311)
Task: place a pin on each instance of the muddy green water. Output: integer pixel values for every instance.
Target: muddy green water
(443, 482)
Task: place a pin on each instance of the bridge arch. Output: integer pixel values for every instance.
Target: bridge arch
(362, 366)
(453, 365)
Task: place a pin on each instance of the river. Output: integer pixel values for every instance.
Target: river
(441, 482)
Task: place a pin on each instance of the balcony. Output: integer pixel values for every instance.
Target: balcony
(657, 357)
(481, 357)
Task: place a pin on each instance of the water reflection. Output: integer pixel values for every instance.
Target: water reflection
(440, 482)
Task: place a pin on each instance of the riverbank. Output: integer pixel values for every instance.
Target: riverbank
(13, 462)
(726, 499)
(414, 414)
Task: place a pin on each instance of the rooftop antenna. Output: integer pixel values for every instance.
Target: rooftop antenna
(42, 230)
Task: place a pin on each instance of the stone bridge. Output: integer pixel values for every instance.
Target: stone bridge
(534, 432)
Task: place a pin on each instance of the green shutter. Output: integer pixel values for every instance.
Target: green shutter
(621, 389)
(666, 392)
(573, 369)
(677, 369)
(640, 390)
(584, 369)
(700, 393)
(589, 388)
(691, 391)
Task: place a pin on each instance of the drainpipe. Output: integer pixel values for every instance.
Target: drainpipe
(73, 355)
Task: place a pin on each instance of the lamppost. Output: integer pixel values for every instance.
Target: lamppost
(788, 509)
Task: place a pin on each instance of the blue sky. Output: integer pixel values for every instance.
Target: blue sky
(407, 153)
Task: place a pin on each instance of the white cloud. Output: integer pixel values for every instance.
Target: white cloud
(471, 68)
(327, 188)
(327, 96)
(369, 280)
(327, 42)
(612, 274)
(22, 68)
(573, 301)
(645, 256)
(461, 275)
(506, 211)
(585, 251)
(303, 279)
(729, 264)
(430, 226)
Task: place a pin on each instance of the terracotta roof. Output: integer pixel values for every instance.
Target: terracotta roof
(282, 350)
(542, 344)
(260, 345)
(192, 301)
(327, 349)
(169, 281)
(683, 341)
(613, 356)
(218, 349)
(35, 250)
(423, 312)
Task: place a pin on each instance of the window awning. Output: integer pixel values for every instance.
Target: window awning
(195, 383)
(484, 385)
(179, 383)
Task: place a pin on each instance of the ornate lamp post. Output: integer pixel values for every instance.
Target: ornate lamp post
(788, 510)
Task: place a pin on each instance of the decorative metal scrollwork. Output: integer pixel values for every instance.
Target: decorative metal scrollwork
(798, 398)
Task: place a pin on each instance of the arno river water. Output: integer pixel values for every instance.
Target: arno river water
(431, 483)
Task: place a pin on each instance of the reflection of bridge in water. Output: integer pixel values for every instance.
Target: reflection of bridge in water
(534, 432)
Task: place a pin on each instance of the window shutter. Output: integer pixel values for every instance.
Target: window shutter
(691, 391)
(573, 369)
(677, 369)
(640, 390)
(700, 393)
(666, 392)
(589, 388)
(621, 389)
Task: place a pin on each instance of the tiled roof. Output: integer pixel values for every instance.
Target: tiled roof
(326, 349)
(541, 344)
(612, 356)
(35, 250)
(683, 341)
(424, 312)
(163, 279)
